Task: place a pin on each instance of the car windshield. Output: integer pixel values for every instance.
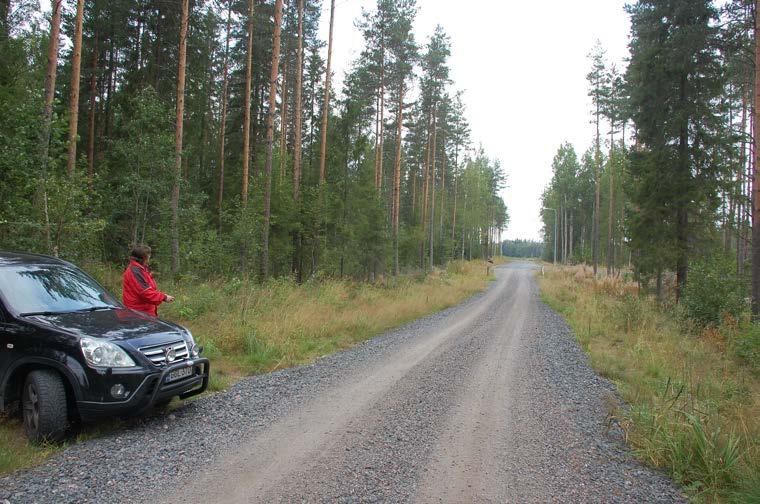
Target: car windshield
(49, 289)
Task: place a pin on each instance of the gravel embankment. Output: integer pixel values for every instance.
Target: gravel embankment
(490, 401)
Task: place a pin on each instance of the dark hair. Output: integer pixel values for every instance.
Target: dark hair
(140, 253)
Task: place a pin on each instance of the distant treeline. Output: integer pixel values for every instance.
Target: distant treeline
(522, 248)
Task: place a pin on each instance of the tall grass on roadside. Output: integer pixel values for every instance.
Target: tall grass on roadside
(693, 393)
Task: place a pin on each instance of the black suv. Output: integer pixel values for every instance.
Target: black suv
(70, 351)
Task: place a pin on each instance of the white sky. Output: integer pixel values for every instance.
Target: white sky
(523, 67)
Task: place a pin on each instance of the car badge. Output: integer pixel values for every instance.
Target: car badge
(171, 355)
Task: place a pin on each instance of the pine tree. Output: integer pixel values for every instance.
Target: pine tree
(76, 60)
(178, 136)
(247, 107)
(756, 175)
(326, 103)
(270, 138)
(47, 111)
(596, 81)
(223, 117)
(674, 78)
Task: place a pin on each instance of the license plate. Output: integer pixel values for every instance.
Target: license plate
(178, 374)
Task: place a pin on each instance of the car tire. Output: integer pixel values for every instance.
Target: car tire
(44, 406)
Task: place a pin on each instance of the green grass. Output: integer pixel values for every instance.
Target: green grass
(247, 328)
(15, 451)
(693, 394)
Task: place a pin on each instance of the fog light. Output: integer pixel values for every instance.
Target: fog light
(195, 351)
(119, 391)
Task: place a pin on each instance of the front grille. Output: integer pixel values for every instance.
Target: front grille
(157, 353)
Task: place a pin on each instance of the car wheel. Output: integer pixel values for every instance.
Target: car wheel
(44, 406)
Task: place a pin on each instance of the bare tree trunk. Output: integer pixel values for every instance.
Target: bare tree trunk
(597, 197)
(611, 213)
(326, 108)
(756, 185)
(298, 112)
(76, 67)
(223, 118)
(424, 196)
(92, 111)
(47, 111)
(381, 114)
(178, 136)
(432, 190)
(247, 108)
(284, 117)
(443, 185)
(270, 137)
(397, 177)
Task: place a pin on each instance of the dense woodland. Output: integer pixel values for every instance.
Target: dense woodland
(209, 129)
(667, 180)
(522, 248)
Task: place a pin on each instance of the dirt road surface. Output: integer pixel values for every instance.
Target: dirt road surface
(489, 401)
(474, 409)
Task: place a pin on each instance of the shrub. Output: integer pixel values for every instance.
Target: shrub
(748, 348)
(714, 291)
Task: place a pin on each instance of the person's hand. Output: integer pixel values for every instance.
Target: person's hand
(169, 299)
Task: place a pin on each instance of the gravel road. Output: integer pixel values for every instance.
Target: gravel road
(490, 401)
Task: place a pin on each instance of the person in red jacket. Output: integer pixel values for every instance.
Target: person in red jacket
(139, 289)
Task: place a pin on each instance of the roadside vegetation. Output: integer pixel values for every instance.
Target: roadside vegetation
(249, 328)
(689, 373)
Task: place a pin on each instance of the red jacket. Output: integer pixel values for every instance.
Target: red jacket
(140, 292)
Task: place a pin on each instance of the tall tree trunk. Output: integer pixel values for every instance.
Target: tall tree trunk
(443, 186)
(178, 136)
(47, 111)
(381, 114)
(682, 211)
(756, 187)
(223, 118)
(432, 189)
(740, 219)
(597, 194)
(326, 105)
(92, 110)
(425, 194)
(611, 213)
(284, 117)
(456, 192)
(397, 176)
(247, 107)
(270, 137)
(298, 112)
(76, 67)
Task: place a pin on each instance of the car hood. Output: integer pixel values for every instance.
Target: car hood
(119, 324)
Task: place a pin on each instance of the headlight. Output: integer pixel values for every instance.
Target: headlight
(104, 354)
(194, 349)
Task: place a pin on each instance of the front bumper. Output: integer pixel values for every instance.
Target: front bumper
(152, 389)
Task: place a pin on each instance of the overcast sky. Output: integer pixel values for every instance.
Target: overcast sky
(523, 67)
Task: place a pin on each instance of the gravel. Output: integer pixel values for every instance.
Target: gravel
(489, 401)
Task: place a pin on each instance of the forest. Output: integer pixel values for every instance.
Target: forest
(667, 181)
(210, 130)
